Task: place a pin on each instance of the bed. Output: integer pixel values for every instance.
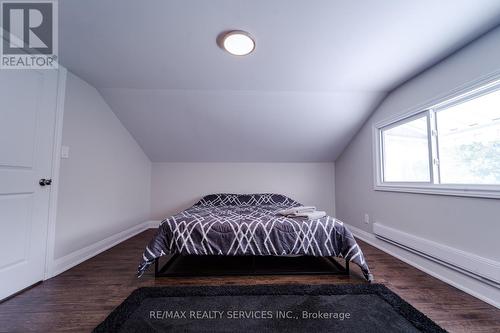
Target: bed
(249, 225)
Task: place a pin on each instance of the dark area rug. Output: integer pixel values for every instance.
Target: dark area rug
(269, 308)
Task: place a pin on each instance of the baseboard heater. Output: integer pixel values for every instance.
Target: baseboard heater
(481, 268)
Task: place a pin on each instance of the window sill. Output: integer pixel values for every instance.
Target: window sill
(490, 192)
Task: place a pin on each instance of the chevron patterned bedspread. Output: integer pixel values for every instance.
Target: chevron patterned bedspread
(237, 224)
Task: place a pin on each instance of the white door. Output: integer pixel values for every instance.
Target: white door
(27, 123)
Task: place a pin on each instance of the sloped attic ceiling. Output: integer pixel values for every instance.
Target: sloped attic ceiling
(318, 70)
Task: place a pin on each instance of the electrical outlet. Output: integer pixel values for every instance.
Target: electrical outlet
(64, 152)
(367, 218)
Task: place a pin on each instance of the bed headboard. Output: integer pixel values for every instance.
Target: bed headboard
(258, 199)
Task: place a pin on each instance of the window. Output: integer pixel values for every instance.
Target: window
(469, 141)
(451, 147)
(406, 152)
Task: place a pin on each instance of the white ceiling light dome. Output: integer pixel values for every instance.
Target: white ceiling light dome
(238, 42)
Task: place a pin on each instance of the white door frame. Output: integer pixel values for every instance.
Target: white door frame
(56, 165)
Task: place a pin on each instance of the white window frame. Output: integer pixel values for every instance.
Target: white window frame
(460, 95)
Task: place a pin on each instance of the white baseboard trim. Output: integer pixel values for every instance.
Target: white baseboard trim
(70, 260)
(471, 286)
(153, 224)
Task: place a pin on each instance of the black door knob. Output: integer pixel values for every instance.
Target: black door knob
(45, 182)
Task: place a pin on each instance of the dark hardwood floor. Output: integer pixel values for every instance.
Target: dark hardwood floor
(78, 299)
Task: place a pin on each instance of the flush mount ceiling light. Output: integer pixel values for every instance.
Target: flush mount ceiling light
(238, 42)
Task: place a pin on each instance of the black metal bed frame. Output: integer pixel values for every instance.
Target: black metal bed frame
(165, 271)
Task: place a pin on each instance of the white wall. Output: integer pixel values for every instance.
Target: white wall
(104, 186)
(467, 224)
(176, 186)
